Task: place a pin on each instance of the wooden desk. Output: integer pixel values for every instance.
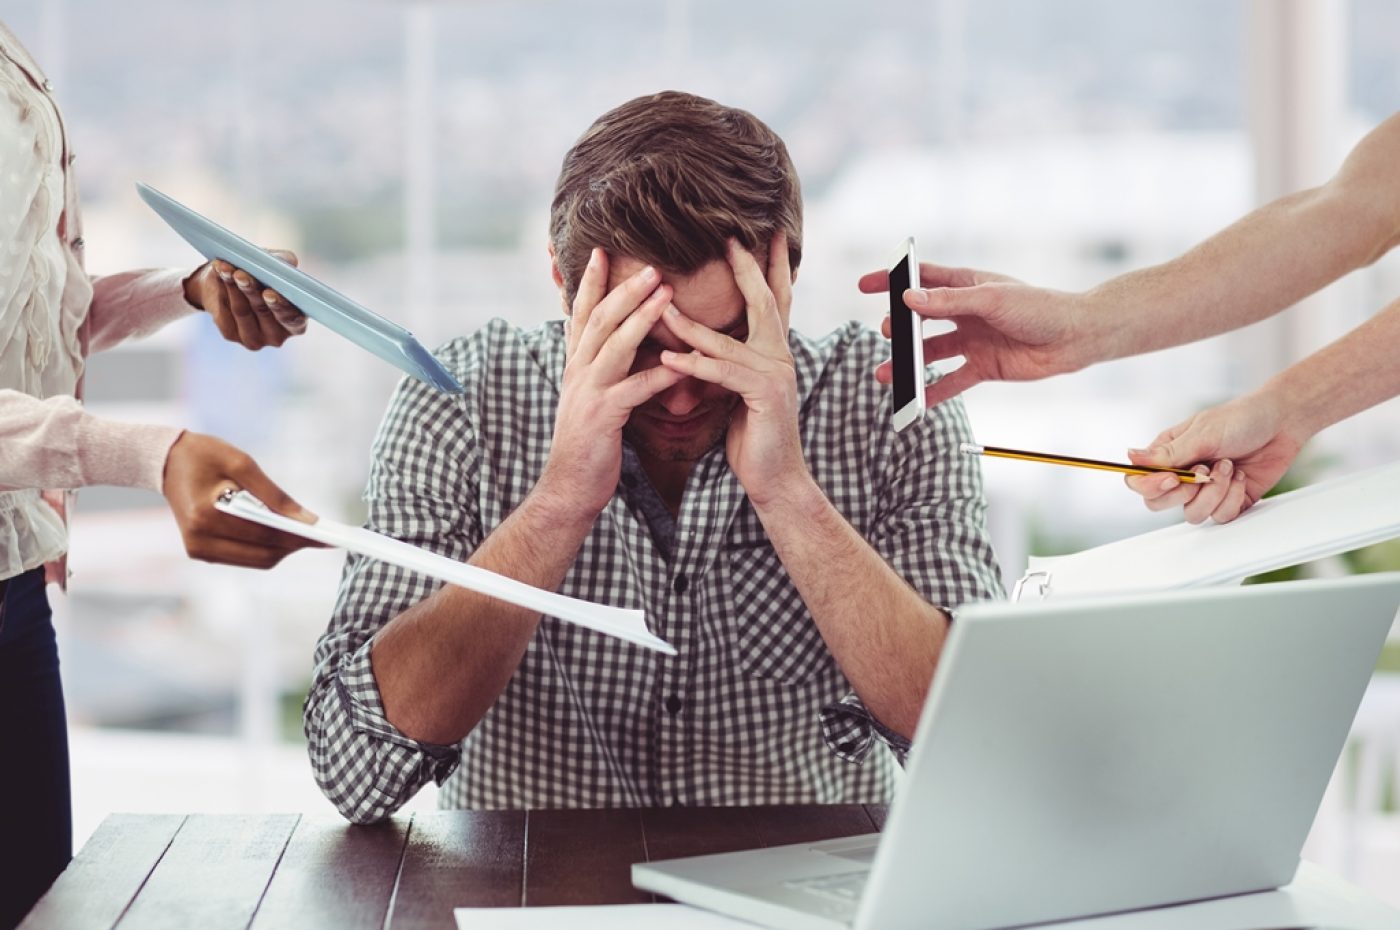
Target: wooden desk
(214, 871)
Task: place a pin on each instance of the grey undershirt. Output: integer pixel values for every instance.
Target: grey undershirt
(641, 495)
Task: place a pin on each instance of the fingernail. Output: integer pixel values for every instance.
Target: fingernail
(1137, 451)
(1227, 467)
(1167, 483)
(225, 276)
(673, 310)
(648, 273)
(917, 297)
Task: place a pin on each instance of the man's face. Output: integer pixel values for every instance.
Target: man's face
(688, 419)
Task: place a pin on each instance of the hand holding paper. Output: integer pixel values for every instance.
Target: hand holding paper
(628, 625)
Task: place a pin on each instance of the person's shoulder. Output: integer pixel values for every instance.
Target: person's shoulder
(842, 362)
(500, 346)
(849, 344)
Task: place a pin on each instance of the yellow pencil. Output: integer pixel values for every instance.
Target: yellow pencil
(1185, 474)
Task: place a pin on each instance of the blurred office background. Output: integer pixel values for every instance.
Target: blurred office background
(407, 150)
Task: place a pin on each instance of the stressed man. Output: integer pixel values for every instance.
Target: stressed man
(670, 445)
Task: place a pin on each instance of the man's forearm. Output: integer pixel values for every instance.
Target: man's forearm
(1265, 262)
(1352, 374)
(442, 663)
(885, 637)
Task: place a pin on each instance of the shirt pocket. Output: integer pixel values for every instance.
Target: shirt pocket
(776, 638)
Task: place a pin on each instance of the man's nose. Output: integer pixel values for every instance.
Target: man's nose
(681, 398)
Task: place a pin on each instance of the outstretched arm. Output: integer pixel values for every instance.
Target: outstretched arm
(1252, 440)
(1269, 260)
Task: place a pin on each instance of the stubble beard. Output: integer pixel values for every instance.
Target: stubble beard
(689, 450)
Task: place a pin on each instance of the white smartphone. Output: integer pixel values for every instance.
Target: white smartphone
(906, 341)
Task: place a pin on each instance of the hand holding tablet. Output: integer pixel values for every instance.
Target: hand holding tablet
(334, 310)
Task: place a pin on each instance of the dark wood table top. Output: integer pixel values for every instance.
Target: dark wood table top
(214, 871)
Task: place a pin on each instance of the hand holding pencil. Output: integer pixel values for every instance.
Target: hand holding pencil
(1249, 442)
(1216, 464)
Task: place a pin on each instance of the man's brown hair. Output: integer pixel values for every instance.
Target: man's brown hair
(667, 179)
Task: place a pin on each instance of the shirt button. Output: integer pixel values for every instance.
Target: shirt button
(680, 584)
(72, 157)
(674, 705)
(48, 86)
(78, 242)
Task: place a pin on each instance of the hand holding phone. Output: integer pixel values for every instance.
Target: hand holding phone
(906, 341)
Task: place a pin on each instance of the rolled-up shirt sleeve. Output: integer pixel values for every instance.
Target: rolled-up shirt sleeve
(931, 529)
(851, 730)
(421, 490)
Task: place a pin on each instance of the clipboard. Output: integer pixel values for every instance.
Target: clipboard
(1304, 525)
(627, 625)
(330, 308)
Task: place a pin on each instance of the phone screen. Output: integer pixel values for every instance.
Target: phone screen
(903, 331)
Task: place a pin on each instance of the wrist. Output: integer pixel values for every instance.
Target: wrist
(795, 499)
(190, 287)
(559, 509)
(1296, 405)
(1095, 336)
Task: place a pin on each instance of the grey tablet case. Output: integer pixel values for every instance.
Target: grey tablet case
(331, 309)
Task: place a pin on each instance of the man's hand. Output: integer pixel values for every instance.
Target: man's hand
(1250, 444)
(1006, 330)
(763, 443)
(599, 391)
(197, 470)
(243, 309)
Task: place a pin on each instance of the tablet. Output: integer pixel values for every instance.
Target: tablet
(331, 309)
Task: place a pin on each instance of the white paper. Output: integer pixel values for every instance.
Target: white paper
(629, 625)
(1310, 523)
(599, 917)
(1316, 898)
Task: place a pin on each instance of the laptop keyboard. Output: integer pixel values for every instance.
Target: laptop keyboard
(843, 886)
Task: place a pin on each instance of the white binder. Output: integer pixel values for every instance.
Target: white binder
(1310, 523)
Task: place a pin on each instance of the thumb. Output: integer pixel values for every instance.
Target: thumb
(1180, 447)
(285, 255)
(251, 478)
(940, 303)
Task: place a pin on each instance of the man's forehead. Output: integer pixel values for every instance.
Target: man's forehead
(709, 295)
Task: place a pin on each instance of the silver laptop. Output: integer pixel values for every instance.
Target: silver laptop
(1086, 757)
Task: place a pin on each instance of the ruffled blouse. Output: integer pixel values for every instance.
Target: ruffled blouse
(51, 315)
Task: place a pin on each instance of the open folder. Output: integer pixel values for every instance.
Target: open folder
(1301, 526)
(629, 625)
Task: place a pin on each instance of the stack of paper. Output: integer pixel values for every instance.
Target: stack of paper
(629, 625)
(1300, 526)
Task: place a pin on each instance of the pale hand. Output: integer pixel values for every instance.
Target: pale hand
(1249, 444)
(1006, 330)
(599, 391)
(763, 445)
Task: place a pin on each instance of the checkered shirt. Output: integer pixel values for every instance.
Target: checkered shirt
(753, 710)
